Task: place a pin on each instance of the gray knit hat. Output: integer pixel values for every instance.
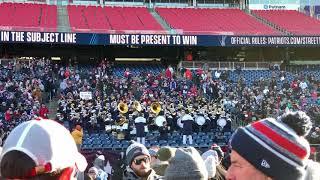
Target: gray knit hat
(184, 164)
(134, 150)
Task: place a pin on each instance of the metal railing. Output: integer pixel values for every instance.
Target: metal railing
(111, 31)
(25, 1)
(228, 65)
(21, 28)
(167, 3)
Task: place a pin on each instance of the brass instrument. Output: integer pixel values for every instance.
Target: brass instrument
(137, 106)
(123, 108)
(120, 136)
(121, 121)
(155, 107)
(190, 109)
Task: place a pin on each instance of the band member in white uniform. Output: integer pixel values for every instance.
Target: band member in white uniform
(187, 121)
(140, 123)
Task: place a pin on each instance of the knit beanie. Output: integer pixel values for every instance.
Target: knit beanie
(184, 164)
(134, 150)
(211, 168)
(218, 149)
(99, 161)
(93, 169)
(211, 153)
(160, 168)
(152, 152)
(274, 148)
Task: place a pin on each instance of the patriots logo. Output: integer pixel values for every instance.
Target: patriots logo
(223, 40)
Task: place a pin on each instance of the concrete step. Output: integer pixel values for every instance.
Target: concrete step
(63, 19)
(52, 106)
(270, 24)
(161, 21)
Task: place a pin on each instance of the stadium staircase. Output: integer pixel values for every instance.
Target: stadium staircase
(52, 106)
(63, 19)
(270, 24)
(161, 21)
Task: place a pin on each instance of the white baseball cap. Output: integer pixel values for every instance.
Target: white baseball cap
(45, 141)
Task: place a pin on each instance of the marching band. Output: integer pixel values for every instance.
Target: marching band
(126, 118)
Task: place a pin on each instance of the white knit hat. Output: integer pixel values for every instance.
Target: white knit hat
(212, 153)
(210, 163)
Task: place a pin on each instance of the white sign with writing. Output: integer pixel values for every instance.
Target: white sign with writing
(274, 6)
(86, 95)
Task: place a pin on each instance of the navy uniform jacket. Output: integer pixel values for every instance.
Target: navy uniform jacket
(187, 121)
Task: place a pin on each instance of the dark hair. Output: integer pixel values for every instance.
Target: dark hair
(16, 164)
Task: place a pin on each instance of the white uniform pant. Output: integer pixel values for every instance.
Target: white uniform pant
(141, 140)
(184, 139)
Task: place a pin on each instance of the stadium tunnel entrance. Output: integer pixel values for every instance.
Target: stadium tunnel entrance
(92, 54)
(161, 54)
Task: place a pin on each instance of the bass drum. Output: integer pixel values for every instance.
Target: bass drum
(179, 123)
(222, 122)
(159, 121)
(200, 120)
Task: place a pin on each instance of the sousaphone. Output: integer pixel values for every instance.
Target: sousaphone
(123, 108)
(155, 107)
(121, 121)
(137, 106)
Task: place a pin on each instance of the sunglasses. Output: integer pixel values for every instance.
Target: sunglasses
(139, 161)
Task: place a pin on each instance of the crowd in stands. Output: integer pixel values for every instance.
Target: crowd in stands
(24, 90)
(27, 86)
(231, 98)
(265, 149)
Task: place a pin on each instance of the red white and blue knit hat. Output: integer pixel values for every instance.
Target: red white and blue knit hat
(273, 148)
